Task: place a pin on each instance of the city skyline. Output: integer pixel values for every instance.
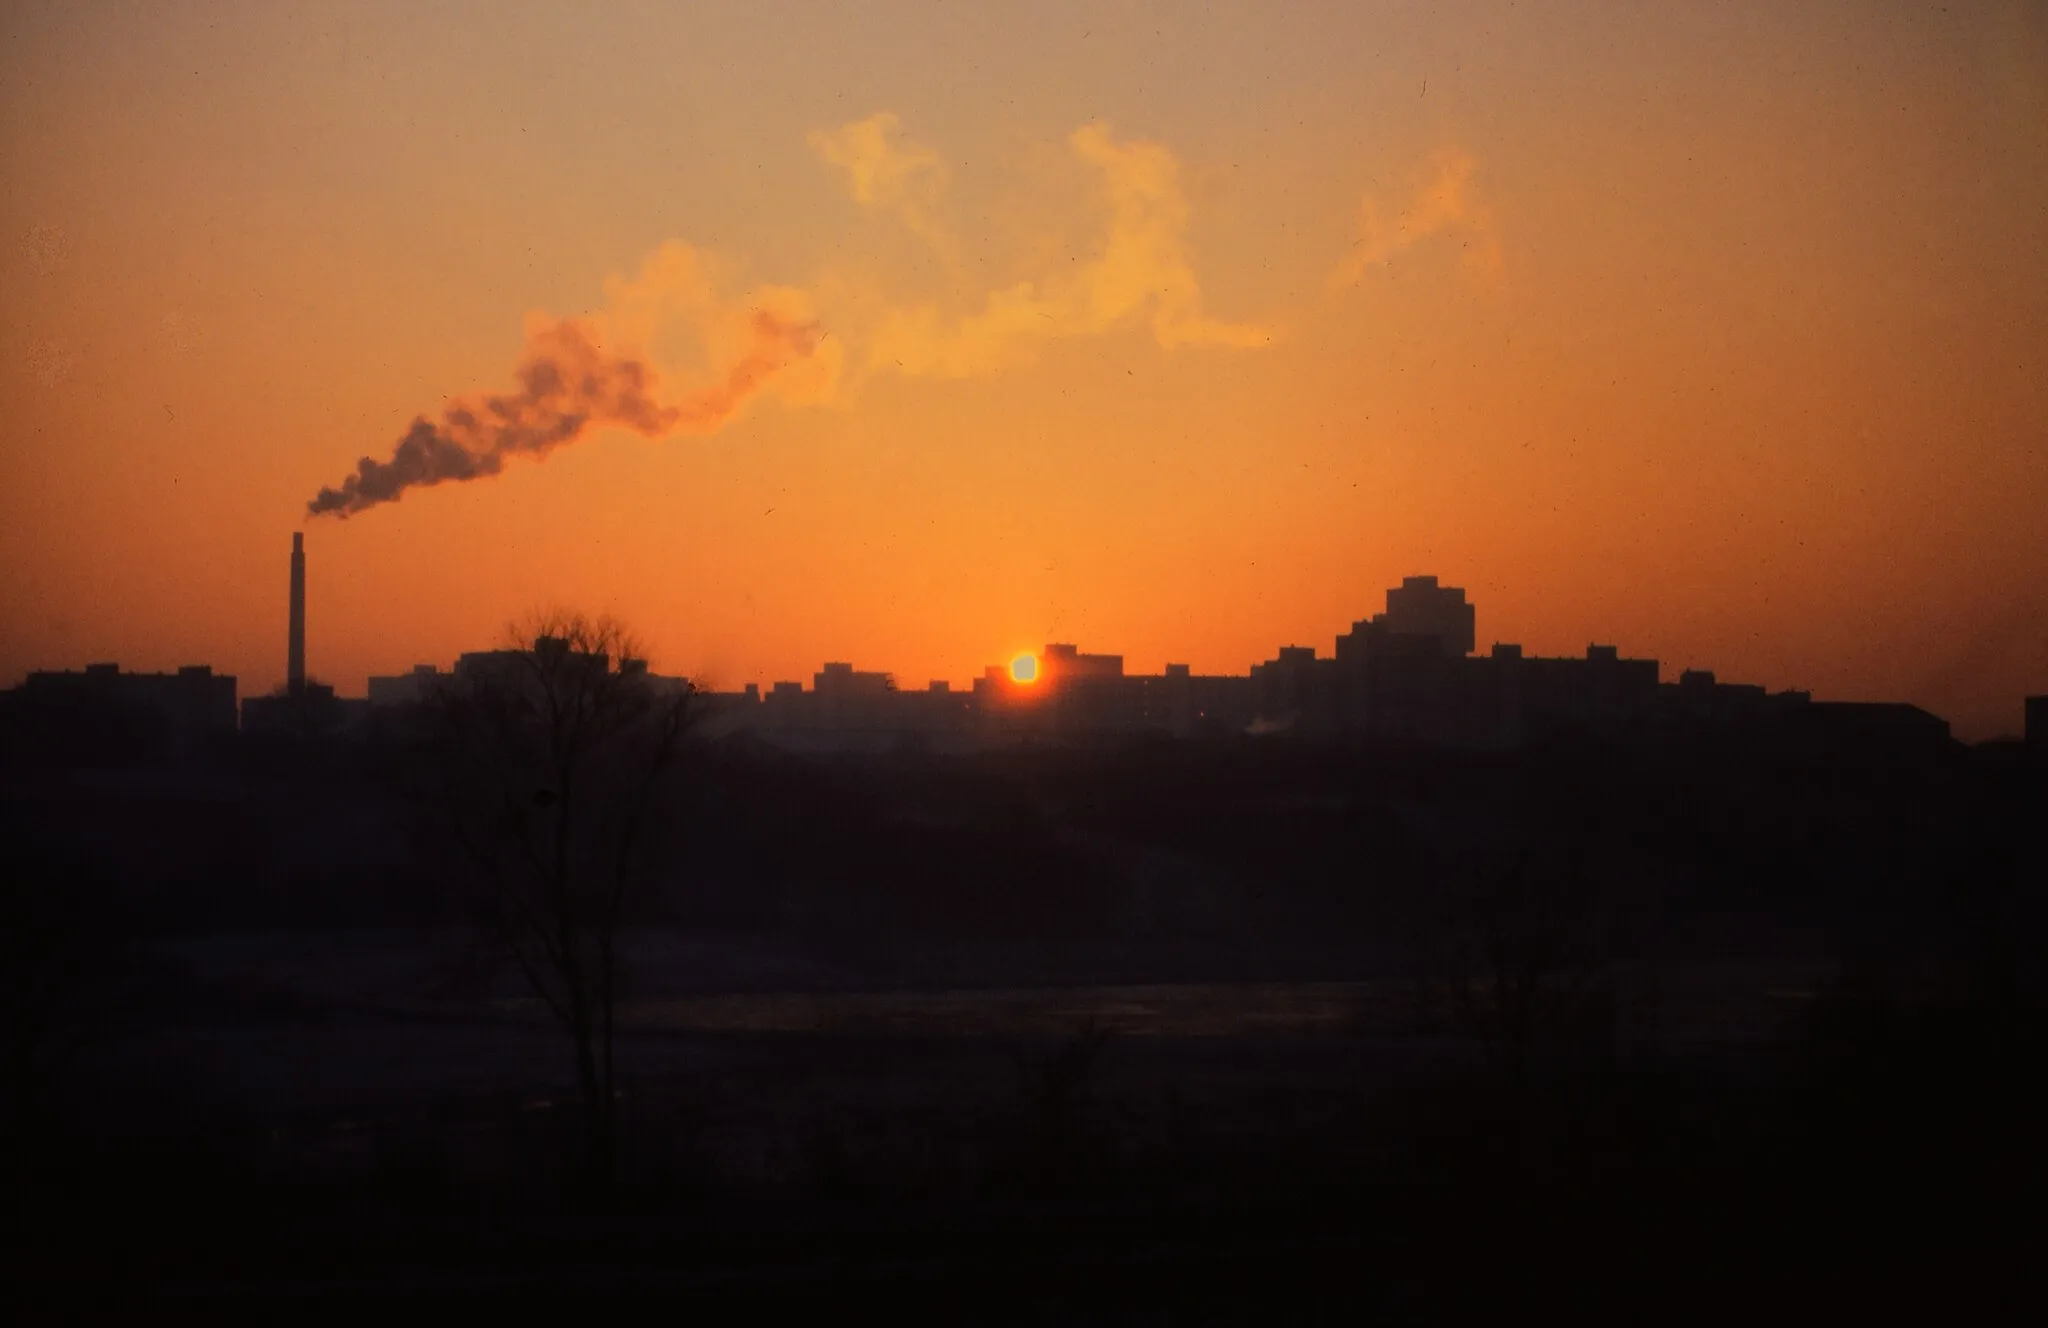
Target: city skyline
(1411, 673)
(1072, 660)
(1419, 606)
(1188, 332)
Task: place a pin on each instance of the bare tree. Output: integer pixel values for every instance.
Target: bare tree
(554, 757)
(1516, 942)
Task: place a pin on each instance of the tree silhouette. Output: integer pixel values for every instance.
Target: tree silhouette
(554, 759)
(1517, 942)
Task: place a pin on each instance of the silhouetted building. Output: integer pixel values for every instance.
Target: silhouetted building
(1075, 697)
(843, 697)
(1420, 607)
(405, 688)
(1604, 694)
(194, 699)
(1871, 726)
(1193, 705)
(1066, 663)
(1698, 705)
(1083, 696)
(311, 711)
(842, 682)
(102, 712)
(1406, 675)
(2037, 724)
(717, 715)
(1296, 692)
(852, 710)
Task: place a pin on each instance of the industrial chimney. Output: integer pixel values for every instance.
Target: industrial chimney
(295, 659)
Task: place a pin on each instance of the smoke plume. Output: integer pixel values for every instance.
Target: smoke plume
(1441, 204)
(1140, 271)
(568, 382)
(888, 172)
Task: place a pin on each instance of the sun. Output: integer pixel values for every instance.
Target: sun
(1024, 668)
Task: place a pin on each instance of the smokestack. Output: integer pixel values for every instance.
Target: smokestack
(295, 658)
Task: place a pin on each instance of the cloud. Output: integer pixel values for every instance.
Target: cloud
(640, 364)
(573, 377)
(1141, 270)
(1442, 204)
(673, 310)
(890, 173)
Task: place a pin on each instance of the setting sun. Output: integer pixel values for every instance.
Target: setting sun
(1519, 530)
(1611, 327)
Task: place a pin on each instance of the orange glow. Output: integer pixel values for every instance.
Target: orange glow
(1172, 332)
(1024, 668)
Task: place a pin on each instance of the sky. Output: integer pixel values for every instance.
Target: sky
(916, 335)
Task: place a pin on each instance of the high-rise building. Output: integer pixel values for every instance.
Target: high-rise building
(1421, 607)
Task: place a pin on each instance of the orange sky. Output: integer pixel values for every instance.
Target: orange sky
(1180, 333)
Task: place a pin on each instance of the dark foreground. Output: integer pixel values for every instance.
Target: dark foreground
(1118, 1040)
(1791, 1153)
